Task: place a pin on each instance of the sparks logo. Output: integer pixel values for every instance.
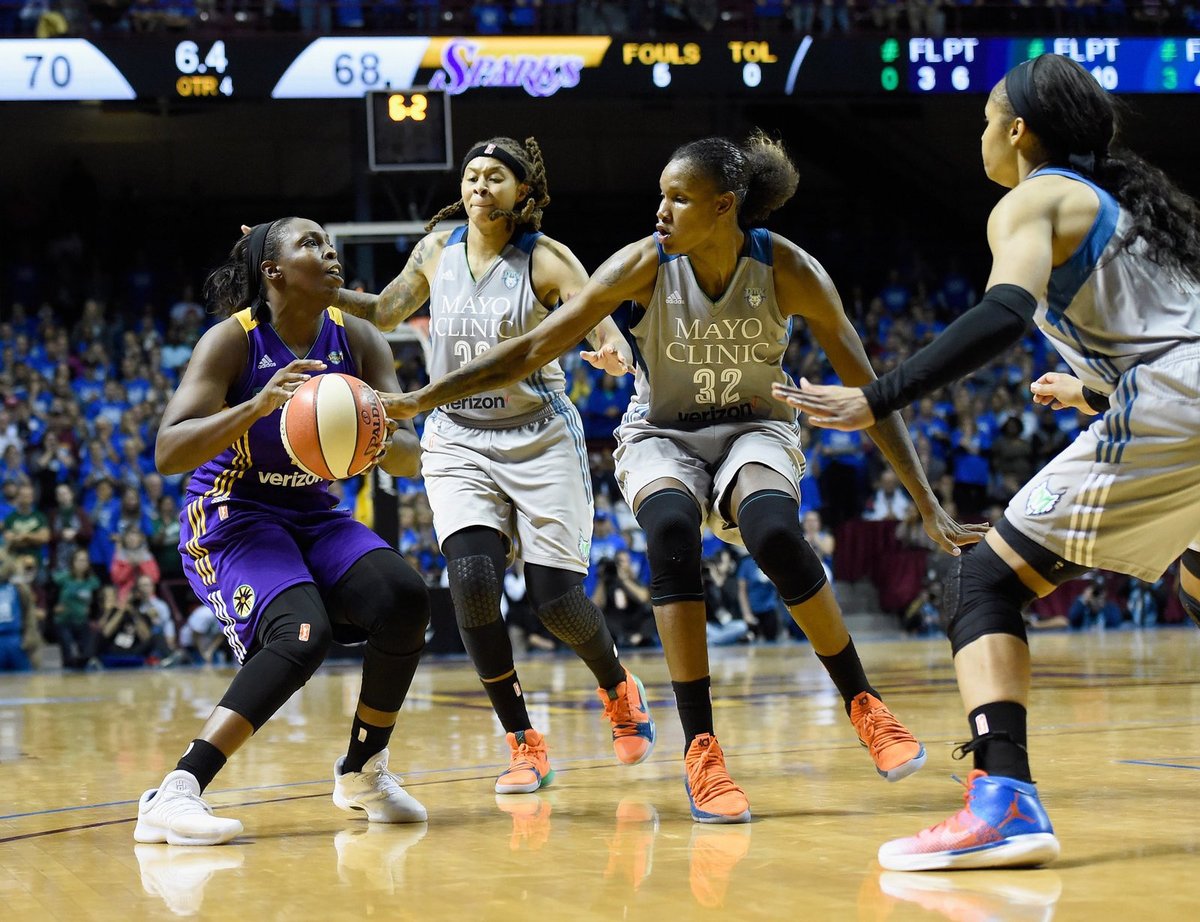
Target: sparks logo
(266, 362)
(674, 297)
(334, 358)
(540, 65)
(243, 601)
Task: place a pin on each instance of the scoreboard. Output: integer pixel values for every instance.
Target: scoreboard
(348, 67)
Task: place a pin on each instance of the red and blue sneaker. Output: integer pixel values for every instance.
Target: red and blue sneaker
(1001, 825)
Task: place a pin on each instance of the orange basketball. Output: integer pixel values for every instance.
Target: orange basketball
(332, 426)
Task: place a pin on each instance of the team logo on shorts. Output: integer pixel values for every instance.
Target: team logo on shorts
(511, 277)
(334, 358)
(243, 601)
(1042, 499)
(585, 547)
(755, 296)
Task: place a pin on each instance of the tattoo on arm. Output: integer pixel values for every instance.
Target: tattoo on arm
(613, 274)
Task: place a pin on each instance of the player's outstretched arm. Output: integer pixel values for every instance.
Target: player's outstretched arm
(805, 289)
(402, 455)
(626, 276)
(404, 294)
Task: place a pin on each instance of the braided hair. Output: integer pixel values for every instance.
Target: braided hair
(529, 209)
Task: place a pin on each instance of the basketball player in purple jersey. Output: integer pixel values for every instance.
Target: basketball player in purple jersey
(507, 471)
(262, 545)
(704, 439)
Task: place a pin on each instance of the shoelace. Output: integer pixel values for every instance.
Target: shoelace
(619, 712)
(883, 729)
(388, 783)
(711, 778)
(524, 755)
(951, 823)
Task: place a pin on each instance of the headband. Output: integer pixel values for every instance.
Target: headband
(496, 153)
(1023, 98)
(254, 260)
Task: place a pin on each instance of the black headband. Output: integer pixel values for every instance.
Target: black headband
(254, 260)
(496, 153)
(1023, 99)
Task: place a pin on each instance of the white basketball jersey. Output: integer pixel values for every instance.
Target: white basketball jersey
(1109, 308)
(702, 361)
(468, 317)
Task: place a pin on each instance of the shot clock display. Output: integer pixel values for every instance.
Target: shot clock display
(409, 130)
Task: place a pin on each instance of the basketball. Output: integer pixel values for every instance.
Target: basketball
(332, 426)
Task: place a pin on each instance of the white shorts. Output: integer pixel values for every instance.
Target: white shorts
(1125, 495)
(706, 461)
(531, 484)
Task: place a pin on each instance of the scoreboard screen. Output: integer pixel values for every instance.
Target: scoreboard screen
(348, 67)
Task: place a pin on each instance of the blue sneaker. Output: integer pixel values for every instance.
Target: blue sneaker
(1002, 825)
(632, 729)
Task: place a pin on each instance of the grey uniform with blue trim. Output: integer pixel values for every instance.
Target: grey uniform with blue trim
(702, 407)
(1125, 495)
(511, 459)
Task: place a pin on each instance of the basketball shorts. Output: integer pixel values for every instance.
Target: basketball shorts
(238, 562)
(706, 461)
(530, 483)
(1125, 495)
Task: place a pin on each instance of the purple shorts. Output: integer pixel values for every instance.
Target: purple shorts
(239, 555)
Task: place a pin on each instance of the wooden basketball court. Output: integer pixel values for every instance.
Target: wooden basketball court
(1115, 738)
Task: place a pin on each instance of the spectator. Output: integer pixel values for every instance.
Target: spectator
(131, 560)
(723, 626)
(77, 588)
(758, 599)
(16, 607)
(890, 501)
(126, 631)
(70, 527)
(26, 529)
(202, 635)
(625, 601)
(1093, 607)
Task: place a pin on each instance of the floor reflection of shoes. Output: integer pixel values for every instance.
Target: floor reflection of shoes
(530, 820)
(178, 874)
(713, 853)
(374, 858)
(983, 896)
(631, 846)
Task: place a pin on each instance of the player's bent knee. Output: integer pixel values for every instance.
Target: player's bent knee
(475, 590)
(769, 522)
(572, 617)
(982, 596)
(671, 520)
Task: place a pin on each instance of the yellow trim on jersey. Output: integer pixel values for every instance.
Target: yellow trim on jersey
(335, 314)
(243, 317)
(221, 489)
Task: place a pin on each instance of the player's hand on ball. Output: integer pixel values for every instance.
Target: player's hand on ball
(1059, 391)
(608, 359)
(284, 382)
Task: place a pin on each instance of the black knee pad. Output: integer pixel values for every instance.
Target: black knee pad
(476, 589)
(572, 617)
(983, 596)
(769, 521)
(294, 636)
(671, 521)
(386, 602)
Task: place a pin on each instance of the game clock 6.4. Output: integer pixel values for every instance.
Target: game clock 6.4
(202, 72)
(409, 130)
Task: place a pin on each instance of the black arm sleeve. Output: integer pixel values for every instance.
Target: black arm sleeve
(1097, 401)
(970, 342)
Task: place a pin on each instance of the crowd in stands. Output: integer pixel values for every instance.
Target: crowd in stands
(89, 529)
(49, 18)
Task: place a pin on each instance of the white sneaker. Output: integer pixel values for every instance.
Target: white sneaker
(178, 876)
(376, 791)
(174, 813)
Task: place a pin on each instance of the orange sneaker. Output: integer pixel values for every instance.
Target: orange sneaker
(897, 753)
(530, 766)
(632, 729)
(713, 795)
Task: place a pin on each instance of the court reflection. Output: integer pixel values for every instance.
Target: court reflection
(1012, 896)
(179, 875)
